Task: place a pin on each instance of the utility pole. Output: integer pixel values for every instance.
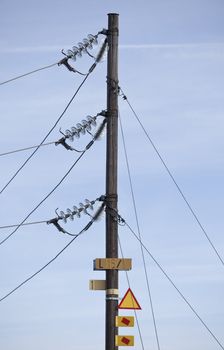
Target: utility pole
(112, 264)
(111, 180)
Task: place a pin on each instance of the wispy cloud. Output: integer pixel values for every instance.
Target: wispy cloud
(164, 47)
(173, 46)
(178, 50)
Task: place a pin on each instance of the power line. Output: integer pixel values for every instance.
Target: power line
(81, 128)
(89, 145)
(24, 75)
(77, 212)
(55, 124)
(48, 195)
(63, 216)
(174, 181)
(49, 262)
(139, 232)
(24, 224)
(91, 69)
(26, 149)
(78, 51)
(173, 284)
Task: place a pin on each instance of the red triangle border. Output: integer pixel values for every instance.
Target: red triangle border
(133, 297)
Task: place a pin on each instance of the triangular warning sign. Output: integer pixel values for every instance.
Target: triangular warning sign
(129, 301)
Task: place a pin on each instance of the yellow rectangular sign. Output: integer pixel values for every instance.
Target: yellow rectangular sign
(112, 264)
(125, 321)
(124, 340)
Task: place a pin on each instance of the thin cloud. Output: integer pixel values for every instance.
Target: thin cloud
(170, 47)
(173, 46)
(186, 50)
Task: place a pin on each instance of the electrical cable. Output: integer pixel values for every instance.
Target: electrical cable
(77, 212)
(54, 220)
(89, 145)
(92, 39)
(24, 75)
(57, 121)
(49, 194)
(129, 285)
(25, 224)
(139, 232)
(170, 280)
(70, 136)
(25, 149)
(174, 181)
(49, 262)
(91, 69)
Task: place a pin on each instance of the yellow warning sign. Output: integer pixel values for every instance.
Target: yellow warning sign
(124, 340)
(124, 321)
(129, 301)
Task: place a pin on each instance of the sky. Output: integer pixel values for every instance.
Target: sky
(171, 68)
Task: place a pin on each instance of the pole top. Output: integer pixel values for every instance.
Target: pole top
(113, 14)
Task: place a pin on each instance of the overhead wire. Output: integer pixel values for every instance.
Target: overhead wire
(28, 73)
(170, 280)
(53, 127)
(174, 181)
(139, 231)
(60, 141)
(91, 69)
(89, 145)
(49, 262)
(76, 212)
(52, 220)
(44, 199)
(24, 224)
(63, 61)
(25, 149)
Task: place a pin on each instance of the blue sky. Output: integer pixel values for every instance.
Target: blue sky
(171, 66)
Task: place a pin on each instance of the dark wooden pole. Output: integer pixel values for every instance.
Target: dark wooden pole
(111, 180)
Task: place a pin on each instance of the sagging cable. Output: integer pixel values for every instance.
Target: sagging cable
(99, 55)
(80, 129)
(52, 260)
(64, 61)
(83, 48)
(77, 212)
